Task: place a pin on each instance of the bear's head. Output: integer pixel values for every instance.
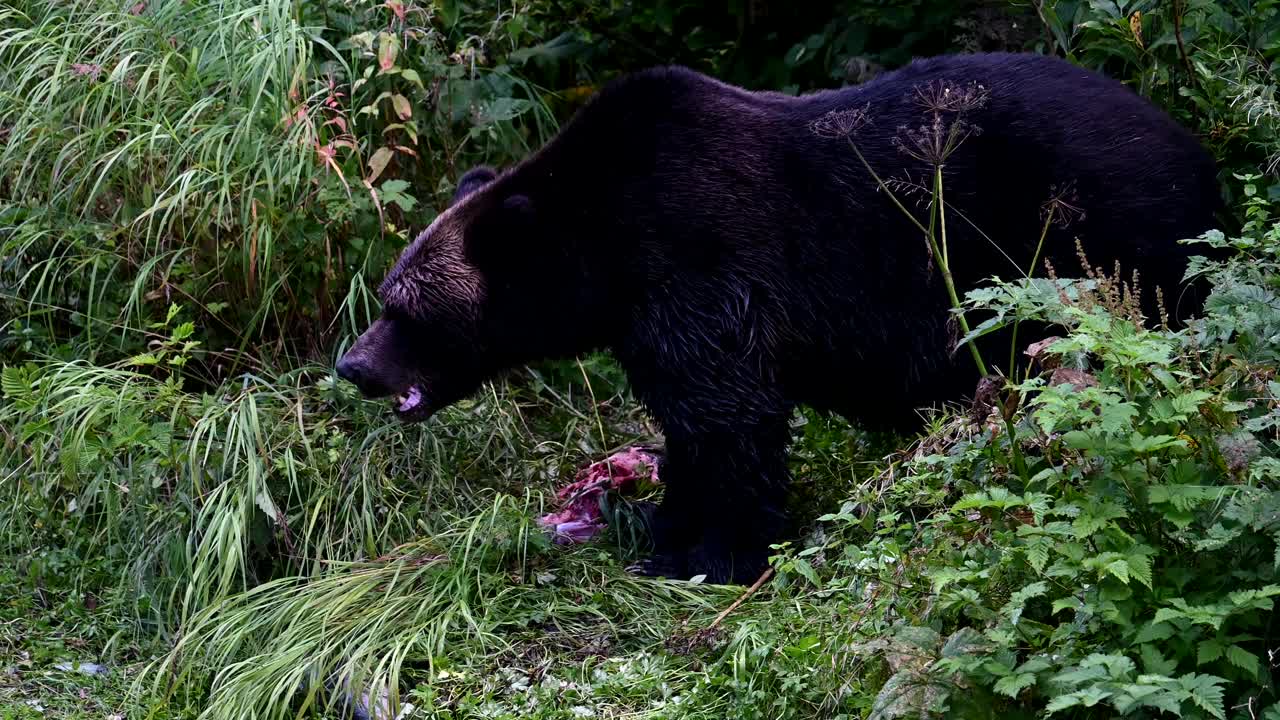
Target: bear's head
(472, 296)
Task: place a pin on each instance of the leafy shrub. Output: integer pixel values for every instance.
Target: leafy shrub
(1106, 532)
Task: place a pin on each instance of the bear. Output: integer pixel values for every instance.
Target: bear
(738, 259)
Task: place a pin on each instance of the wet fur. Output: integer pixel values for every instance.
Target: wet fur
(738, 264)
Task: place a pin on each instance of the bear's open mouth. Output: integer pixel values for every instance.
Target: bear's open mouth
(409, 400)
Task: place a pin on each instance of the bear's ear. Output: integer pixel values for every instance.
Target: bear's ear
(504, 234)
(472, 180)
(518, 208)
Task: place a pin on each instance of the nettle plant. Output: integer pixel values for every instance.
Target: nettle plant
(1116, 541)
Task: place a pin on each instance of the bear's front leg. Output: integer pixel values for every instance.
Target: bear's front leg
(723, 503)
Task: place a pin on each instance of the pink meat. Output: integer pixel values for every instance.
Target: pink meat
(579, 518)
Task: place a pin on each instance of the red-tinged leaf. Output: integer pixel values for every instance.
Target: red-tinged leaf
(376, 202)
(378, 163)
(138, 9)
(86, 69)
(341, 122)
(407, 150)
(325, 153)
(401, 105)
(388, 48)
(397, 7)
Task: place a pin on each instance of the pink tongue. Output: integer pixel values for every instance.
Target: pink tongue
(412, 399)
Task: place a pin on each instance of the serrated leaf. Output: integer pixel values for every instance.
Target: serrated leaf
(71, 458)
(1157, 629)
(184, 331)
(1205, 692)
(1244, 660)
(1208, 651)
(1140, 443)
(1038, 554)
(1087, 698)
(1013, 608)
(1067, 603)
(144, 359)
(1011, 685)
(1119, 569)
(1140, 568)
(1154, 662)
(1162, 699)
(15, 384)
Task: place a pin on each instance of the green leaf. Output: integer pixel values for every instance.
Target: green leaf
(1140, 568)
(1038, 554)
(1205, 692)
(1183, 497)
(1119, 569)
(1013, 608)
(1156, 630)
(1011, 685)
(183, 331)
(1141, 444)
(412, 76)
(401, 105)
(1096, 516)
(1067, 603)
(1086, 698)
(805, 569)
(15, 384)
(1244, 660)
(1208, 651)
(1154, 662)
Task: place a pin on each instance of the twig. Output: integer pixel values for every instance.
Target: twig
(764, 577)
(1178, 9)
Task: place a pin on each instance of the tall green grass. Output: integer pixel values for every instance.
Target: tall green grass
(152, 137)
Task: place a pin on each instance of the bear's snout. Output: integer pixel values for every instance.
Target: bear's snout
(354, 368)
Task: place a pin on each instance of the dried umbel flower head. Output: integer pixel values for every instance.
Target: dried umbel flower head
(1061, 208)
(841, 123)
(934, 142)
(945, 104)
(944, 96)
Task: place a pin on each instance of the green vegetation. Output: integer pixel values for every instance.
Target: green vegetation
(194, 201)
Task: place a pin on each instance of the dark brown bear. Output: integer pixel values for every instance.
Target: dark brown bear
(737, 258)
